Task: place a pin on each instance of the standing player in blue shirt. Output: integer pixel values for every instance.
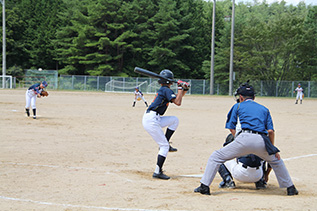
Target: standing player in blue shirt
(256, 123)
(153, 119)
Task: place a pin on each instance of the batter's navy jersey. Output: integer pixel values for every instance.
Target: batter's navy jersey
(162, 99)
(252, 116)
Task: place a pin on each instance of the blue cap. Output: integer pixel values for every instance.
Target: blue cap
(137, 87)
(44, 83)
(299, 85)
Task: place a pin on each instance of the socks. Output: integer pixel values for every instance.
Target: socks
(159, 164)
(169, 134)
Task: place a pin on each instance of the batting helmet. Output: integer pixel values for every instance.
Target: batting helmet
(166, 74)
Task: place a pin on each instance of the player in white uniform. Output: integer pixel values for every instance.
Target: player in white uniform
(31, 94)
(138, 95)
(247, 169)
(153, 120)
(300, 93)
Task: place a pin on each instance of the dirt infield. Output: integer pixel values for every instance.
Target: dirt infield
(89, 151)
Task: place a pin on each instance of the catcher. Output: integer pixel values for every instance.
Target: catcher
(138, 95)
(248, 169)
(33, 92)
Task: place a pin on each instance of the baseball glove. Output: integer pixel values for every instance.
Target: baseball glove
(184, 85)
(44, 93)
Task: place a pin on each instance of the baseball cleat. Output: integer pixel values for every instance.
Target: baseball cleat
(160, 176)
(203, 189)
(172, 149)
(229, 184)
(261, 184)
(34, 117)
(291, 191)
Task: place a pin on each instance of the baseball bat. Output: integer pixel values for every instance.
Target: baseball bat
(151, 74)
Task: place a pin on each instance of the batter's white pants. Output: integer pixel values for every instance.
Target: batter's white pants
(153, 124)
(299, 96)
(30, 99)
(238, 172)
(244, 144)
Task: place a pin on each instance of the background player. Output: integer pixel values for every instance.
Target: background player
(138, 95)
(153, 119)
(31, 94)
(300, 93)
(256, 123)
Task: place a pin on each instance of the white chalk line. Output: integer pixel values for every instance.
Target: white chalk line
(77, 206)
(67, 167)
(96, 207)
(286, 159)
(303, 156)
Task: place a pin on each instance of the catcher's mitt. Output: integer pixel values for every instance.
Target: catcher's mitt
(44, 93)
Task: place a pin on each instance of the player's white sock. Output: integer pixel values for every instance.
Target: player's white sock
(157, 169)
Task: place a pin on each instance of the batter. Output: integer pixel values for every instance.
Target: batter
(153, 119)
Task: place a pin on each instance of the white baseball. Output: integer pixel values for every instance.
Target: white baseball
(40, 69)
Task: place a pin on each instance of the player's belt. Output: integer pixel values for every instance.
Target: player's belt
(245, 166)
(148, 111)
(254, 132)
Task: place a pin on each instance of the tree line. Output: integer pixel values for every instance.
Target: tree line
(110, 37)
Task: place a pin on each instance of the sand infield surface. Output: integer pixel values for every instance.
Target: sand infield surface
(89, 151)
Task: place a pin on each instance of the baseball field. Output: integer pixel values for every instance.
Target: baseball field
(89, 151)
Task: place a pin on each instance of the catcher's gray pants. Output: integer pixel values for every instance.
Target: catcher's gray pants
(246, 143)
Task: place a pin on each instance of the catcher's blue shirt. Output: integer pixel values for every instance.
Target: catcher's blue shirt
(252, 116)
(162, 99)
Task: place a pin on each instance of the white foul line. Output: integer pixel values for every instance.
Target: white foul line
(102, 208)
(286, 159)
(303, 156)
(77, 206)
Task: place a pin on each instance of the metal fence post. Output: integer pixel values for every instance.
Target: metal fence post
(85, 81)
(73, 81)
(204, 84)
(292, 88)
(97, 83)
(308, 89)
(276, 89)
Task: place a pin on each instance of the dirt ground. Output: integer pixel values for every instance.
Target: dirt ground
(89, 151)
